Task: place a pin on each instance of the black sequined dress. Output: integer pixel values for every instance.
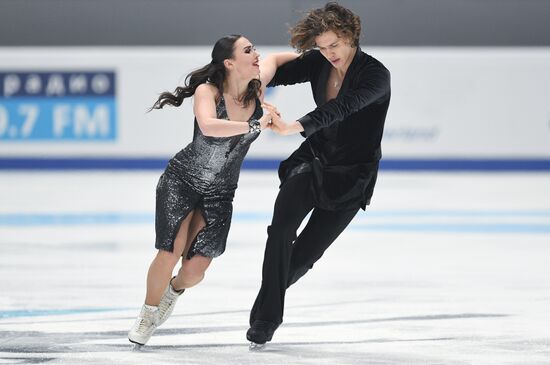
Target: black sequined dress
(203, 175)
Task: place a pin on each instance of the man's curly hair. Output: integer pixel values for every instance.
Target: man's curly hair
(332, 17)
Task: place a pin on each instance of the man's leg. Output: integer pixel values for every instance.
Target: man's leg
(293, 203)
(323, 227)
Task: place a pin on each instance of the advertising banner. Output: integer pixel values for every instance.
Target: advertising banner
(462, 104)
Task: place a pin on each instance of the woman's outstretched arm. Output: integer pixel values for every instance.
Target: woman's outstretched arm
(269, 65)
(204, 108)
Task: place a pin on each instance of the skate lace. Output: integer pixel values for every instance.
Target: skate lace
(167, 301)
(144, 325)
(165, 304)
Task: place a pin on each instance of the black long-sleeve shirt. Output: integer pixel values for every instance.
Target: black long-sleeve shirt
(345, 133)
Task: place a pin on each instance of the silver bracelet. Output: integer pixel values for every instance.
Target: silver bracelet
(254, 126)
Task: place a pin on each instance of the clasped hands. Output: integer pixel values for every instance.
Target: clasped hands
(272, 120)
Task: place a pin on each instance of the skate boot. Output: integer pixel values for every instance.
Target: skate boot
(168, 302)
(259, 333)
(145, 325)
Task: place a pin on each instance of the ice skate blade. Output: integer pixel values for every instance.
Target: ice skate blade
(256, 346)
(136, 347)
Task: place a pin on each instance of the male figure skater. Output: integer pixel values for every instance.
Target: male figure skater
(334, 170)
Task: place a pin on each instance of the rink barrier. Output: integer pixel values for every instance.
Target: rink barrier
(388, 164)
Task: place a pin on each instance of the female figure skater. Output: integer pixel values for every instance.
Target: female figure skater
(194, 194)
(333, 173)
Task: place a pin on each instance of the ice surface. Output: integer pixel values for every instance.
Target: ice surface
(443, 268)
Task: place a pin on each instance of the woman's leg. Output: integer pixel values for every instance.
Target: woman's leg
(192, 270)
(154, 312)
(191, 273)
(160, 270)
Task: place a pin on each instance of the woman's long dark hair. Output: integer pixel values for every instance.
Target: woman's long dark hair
(214, 73)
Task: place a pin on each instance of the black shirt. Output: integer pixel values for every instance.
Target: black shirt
(344, 133)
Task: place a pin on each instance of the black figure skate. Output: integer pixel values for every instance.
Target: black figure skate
(259, 333)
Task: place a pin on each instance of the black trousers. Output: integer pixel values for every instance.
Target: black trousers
(287, 257)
